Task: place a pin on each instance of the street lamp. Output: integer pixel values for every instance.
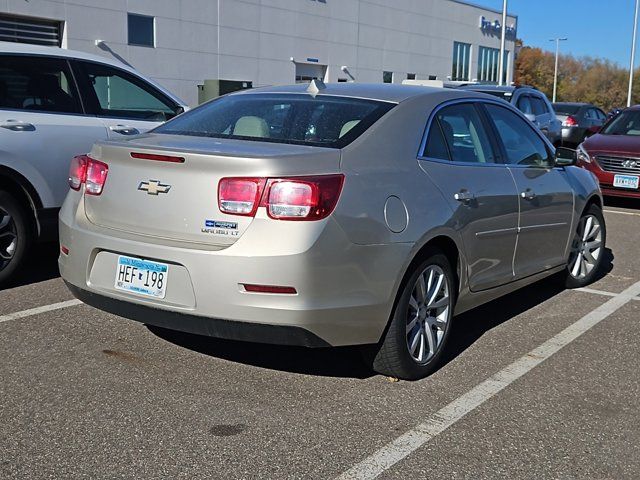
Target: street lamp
(555, 73)
(503, 39)
(633, 54)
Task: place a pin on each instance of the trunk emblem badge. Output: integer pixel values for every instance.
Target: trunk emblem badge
(154, 187)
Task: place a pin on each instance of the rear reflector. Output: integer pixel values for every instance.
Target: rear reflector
(157, 158)
(240, 196)
(78, 171)
(269, 289)
(96, 177)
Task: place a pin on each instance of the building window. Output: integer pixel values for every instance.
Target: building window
(411, 76)
(141, 30)
(461, 61)
(30, 30)
(488, 64)
(387, 77)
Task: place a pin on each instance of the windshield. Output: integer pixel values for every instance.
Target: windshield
(626, 123)
(324, 121)
(565, 109)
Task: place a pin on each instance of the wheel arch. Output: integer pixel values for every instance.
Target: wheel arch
(24, 192)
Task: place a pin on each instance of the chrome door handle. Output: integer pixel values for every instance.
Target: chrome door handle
(528, 194)
(16, 126)
(464, 196)
(124, 130)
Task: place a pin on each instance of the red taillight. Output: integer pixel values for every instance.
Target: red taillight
(293, 198)
(240, 196)
(78, 171)
(96, 176)
(570, 121)
(269, 289)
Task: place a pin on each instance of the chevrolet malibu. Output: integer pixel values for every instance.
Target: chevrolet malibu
(342, 214)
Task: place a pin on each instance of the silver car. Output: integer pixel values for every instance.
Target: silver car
(345, 214)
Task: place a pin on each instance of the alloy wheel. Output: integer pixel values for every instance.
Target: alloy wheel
(428, 314)
(586, 248)
(8, 238)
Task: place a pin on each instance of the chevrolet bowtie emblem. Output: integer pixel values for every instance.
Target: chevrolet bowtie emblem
(154, 187)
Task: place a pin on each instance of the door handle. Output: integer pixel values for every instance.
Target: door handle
(464, 196)
(17, 126)
(528, 194)
(124, 129)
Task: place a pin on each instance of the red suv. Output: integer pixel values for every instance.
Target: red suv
(613, 154)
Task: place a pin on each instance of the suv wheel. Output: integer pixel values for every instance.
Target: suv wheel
(14, 236)
(417, 335)
(587, 249)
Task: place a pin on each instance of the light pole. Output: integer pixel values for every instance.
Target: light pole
(555, 73)
(503, 39)
(633, 54)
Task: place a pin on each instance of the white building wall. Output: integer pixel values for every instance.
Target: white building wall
(253, 40)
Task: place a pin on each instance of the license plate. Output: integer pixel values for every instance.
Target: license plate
(141, 276)
(626, 181)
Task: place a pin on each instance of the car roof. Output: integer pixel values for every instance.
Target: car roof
(28, 49)
(575, 104)
(489, 88)
(386, 92)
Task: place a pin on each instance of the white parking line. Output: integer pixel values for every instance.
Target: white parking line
(602, 292)
(622, 213)
(37, 310)
(401, 447)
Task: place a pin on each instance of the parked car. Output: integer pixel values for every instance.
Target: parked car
(55, 104)
(372, 216)
(530, 101)
(579, 121)
(613, 154)
(613, 112)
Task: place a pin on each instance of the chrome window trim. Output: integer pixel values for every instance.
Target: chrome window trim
(475, 100)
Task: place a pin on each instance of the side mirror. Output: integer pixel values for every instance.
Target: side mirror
(565, 157)
(179, 109)
(531, 117)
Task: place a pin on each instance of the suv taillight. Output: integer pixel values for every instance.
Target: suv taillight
(570, 121)
(293, 198)
(86, 170)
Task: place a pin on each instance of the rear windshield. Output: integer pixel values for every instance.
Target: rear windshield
(324, 121)
(626, 123)
(564, 109)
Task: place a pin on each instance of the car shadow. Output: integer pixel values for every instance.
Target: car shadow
(622, 202)
(41, 264)
(347, 361)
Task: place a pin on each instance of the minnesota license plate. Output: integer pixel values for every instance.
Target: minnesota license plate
(141, 276)
(626, 181)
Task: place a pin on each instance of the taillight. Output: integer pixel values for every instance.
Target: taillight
(78, 171)
(292, 198)
(240, 196)
(303, 198)
(570, 121)
(96, 176)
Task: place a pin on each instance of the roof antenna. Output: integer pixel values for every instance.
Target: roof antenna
(315, 87)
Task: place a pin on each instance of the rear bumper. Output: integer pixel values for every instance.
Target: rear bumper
(345, 291)
(213, 327)
(573, 135)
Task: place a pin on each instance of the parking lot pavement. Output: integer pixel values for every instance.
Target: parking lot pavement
(87, 394)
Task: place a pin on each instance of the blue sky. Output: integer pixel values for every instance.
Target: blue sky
(600, 28)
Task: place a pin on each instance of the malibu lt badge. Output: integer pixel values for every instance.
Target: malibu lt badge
(154, 187)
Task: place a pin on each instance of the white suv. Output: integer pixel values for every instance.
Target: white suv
(55, 104)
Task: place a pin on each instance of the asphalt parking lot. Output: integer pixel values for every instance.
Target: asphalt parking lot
(541, 384)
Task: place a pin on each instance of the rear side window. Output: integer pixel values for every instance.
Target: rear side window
(464, 135)
(524, 104)
(523, 146)
(324, 121)
(37, 84)
(111, 92)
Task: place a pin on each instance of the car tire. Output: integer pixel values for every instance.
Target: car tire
(15, 236)
(587, 249)
(417, 334)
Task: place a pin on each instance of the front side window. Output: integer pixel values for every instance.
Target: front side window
(141, 30)
(324, 121)
(463, 133)
(461, 61)
(524, 105)
(522, 145)
(539, 105)
(37, 84)
(111, 92)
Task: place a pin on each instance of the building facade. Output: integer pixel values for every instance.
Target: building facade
(183, 43)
